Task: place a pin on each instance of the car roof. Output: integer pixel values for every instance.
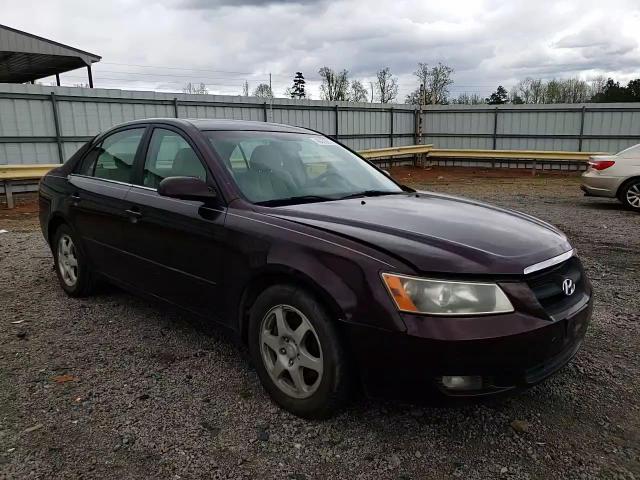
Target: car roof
(222, 124)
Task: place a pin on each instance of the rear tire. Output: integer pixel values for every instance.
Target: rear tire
(630, 194)
(70, 262)
(297, 353)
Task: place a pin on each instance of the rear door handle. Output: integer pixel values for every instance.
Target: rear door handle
(134, 214)
(75, 198)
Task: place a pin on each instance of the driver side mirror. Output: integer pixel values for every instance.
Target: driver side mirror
(186, 188)
(386, 172)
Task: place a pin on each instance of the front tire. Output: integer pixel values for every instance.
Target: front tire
(297, 353)
(630, 195)
(70, 263)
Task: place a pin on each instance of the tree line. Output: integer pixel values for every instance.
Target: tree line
(433, 88)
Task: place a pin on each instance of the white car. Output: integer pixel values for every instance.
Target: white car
(615, 176)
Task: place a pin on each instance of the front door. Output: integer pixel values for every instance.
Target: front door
(175, 245)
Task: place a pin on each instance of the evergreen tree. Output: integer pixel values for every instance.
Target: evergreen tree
(498, 97)
(297, 91)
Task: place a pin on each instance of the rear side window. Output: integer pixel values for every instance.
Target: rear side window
(113, 158)
(170, 155)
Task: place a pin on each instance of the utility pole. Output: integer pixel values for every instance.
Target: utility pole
(371, 85)
(270, 98)
(422, 100)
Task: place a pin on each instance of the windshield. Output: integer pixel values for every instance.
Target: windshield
(276, 168)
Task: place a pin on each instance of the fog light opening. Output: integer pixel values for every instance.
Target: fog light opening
(459, 382)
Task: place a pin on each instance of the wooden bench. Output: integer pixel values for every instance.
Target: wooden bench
(11, 175)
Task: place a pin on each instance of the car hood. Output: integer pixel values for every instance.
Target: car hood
(435, 232)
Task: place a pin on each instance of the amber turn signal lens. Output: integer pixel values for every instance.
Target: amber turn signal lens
(399, 294)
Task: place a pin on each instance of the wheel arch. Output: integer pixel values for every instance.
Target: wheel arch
(276, 276)
(54, 223)
(624, 185)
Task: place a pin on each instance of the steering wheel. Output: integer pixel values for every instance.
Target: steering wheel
(322, 179)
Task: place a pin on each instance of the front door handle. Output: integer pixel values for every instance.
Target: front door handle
(134, 214)
(75, 199)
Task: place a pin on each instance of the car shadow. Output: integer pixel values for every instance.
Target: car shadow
(613, 206)
(431, 409)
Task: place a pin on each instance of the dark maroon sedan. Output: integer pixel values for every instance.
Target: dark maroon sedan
(332, 273)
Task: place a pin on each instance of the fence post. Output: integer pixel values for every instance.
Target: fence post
(391, 127)
(582, 112)
(495, 128)
(337, 109)
(56, 123)
(175, 106)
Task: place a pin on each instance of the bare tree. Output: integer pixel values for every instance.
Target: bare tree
(245, 89)
(357, 92)
(335, 86)
(423, 73)
(538, 91)
(263, 90)
(597, 85)
(195, 89)
(570, 90)
(386, 85)
(438, 82)
(468, 99)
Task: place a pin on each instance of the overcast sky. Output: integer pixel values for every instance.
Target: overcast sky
(166, 43)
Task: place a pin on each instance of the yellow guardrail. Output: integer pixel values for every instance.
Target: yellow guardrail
(25, 172)
(395, 151)
(515, 154)
(10, 173)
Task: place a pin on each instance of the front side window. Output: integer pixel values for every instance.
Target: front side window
(113, 158)
(170, 155)
(273, 168)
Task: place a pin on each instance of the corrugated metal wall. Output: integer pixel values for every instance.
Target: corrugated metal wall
(28, 131)
(591, 127)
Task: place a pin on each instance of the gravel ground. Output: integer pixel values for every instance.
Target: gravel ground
(115, 387)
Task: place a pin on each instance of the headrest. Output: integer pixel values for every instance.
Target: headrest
(266, 157)
(187, 164)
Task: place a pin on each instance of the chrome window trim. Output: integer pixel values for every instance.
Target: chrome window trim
(108, 180)
(550, 262)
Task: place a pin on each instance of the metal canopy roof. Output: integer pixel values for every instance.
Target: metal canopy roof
(25, 57)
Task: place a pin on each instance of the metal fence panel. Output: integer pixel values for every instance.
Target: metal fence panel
(29, 133)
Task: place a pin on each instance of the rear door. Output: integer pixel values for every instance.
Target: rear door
(175, 245)
(97, 201)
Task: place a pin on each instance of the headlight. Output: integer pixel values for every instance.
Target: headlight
(440, 297)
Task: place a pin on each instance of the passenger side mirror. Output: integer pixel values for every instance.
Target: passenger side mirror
(386, 172)
(186, 188)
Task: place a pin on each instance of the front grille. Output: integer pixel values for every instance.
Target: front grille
(547, 287)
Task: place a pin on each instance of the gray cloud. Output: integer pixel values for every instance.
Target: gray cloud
(223, 42)
(213, 4)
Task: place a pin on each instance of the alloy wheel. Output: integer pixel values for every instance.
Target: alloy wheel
(291, 351)
(633, 195)
(67, 260)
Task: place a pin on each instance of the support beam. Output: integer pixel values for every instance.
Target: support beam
(56, 124)
(90, 76)
(58, 79)
(391, 127)
(8, 191)
(582, 112)
(495, 128)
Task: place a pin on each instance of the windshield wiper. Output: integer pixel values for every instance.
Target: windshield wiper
(369, 193)
(293, 200)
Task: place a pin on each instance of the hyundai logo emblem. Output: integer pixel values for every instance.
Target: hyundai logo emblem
(568, 287)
